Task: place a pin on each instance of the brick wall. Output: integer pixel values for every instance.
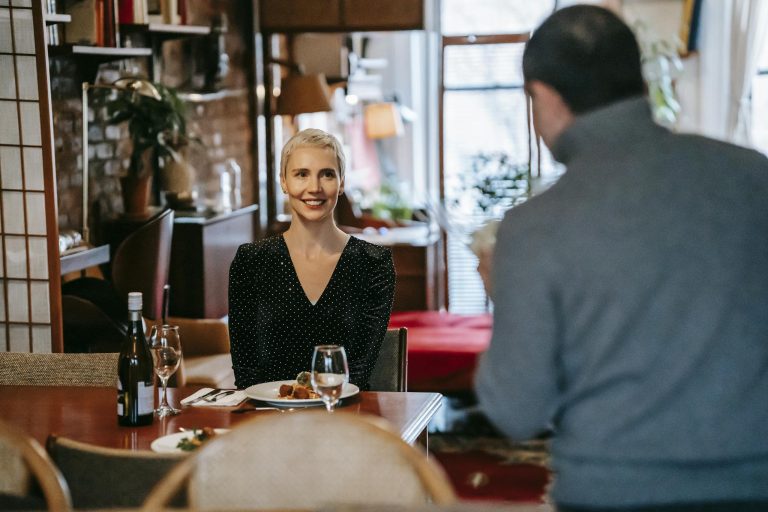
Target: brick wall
(219, 120)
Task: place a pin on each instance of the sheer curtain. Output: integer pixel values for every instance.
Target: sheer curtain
(732, 32)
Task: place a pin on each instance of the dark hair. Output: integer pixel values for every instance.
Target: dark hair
(588, 55)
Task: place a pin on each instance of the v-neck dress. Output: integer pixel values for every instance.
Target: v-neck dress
(273, 327)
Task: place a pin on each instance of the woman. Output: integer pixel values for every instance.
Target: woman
(314, 284)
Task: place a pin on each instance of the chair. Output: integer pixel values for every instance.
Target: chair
(207, 360)
(101, 477)
(304, 461)
(24, 464)
(140, 263)
(390, 373)
(27, 369)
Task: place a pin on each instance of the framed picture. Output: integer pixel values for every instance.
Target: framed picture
(689, 26)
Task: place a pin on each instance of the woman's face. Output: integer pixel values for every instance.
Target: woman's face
(312, 182)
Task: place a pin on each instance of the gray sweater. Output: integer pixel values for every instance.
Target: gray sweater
(631, 316)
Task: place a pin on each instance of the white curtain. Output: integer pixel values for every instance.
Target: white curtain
(731, 34)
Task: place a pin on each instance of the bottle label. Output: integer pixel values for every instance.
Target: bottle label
(146, 397)
(120, 399)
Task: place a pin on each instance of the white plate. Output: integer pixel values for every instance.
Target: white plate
(167, 444)
(270, 392)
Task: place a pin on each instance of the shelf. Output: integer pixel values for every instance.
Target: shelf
(165, 31)
(101, 53)
(53, 18)
(88, 58)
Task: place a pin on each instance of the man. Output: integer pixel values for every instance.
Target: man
(631, 298)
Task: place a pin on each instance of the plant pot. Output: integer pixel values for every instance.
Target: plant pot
(136, 191)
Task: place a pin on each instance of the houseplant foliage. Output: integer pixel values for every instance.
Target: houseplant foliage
(156, 126)
(493, 184)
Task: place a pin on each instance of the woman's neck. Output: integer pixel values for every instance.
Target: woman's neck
(311, 238)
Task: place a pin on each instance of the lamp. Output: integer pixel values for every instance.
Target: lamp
(136, 86)
(382, 120)
(302, 93)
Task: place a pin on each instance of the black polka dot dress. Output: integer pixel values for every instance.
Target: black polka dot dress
(273, 327)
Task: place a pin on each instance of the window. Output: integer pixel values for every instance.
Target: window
(485, 113)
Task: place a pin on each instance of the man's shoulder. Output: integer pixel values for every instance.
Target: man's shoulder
(704, 147)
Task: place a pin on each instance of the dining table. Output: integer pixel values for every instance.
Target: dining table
(89, 414)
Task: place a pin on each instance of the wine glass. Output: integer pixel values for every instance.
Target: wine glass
(166, 356)
(329, 373)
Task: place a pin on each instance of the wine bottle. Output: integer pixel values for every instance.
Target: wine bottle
(135, 375)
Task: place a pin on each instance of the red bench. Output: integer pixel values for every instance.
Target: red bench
(442, 348)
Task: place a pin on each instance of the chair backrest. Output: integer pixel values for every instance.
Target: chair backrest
(22, 462)
(304, 461)
(142, 261)
(390, 373)
(101, 477)
(28, 369)
(87, 328)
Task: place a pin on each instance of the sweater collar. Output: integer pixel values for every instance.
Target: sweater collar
(606, 125)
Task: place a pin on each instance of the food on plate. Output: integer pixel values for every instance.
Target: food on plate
(196, 440)
(301, 390)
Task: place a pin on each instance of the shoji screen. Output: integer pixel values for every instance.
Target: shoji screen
(30, 318)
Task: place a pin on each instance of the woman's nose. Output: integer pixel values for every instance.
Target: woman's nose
(315, 186)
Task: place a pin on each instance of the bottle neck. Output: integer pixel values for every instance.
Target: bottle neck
(134, 316)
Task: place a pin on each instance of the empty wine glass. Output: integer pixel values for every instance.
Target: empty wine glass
(166, 356)
(329, 373)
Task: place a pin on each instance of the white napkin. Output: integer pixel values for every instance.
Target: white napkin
(230, 400)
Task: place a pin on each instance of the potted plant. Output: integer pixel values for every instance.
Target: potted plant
(157, 128)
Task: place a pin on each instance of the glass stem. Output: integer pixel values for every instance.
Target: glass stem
(164, 401)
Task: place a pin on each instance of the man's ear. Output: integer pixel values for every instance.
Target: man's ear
(551, 114)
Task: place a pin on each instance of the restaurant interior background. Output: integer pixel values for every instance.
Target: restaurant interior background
(425, 96)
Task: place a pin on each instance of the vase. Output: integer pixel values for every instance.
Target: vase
(136, 191)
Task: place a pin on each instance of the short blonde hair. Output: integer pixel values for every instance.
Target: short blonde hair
(312, 137)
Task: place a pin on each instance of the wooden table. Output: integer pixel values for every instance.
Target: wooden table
(89, 414)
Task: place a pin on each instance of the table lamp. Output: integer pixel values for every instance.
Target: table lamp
(138, 86)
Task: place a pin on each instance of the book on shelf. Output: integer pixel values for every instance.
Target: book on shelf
(94, 22)
(132, 11)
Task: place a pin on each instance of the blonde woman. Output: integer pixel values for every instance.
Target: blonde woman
(312, 285)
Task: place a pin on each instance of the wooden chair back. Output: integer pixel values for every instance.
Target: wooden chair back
(390, 373)
(101, 478)
(32, 369)
(305, 460)
(142, 262)
(22, 463)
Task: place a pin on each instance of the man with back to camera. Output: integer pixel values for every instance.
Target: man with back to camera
(631, 298)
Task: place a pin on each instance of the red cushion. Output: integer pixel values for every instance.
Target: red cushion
(443, 348)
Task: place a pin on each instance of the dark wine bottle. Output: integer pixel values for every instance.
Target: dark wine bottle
(135, 373)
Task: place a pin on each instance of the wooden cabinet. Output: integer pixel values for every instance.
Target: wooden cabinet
(341, 15)
(203, 248)
(416, 254)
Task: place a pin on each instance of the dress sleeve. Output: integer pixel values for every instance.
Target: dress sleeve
(243, 306)
(373, 325)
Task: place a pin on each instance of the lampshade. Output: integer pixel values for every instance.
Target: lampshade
(382, 120)
(137, 85)
(302, 94)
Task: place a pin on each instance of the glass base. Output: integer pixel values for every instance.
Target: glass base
(164, 411)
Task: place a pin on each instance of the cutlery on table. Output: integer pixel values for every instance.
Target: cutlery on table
(203, 397)
(217, 396)
(251, 409)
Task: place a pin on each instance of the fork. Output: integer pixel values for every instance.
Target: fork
(216, 396)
